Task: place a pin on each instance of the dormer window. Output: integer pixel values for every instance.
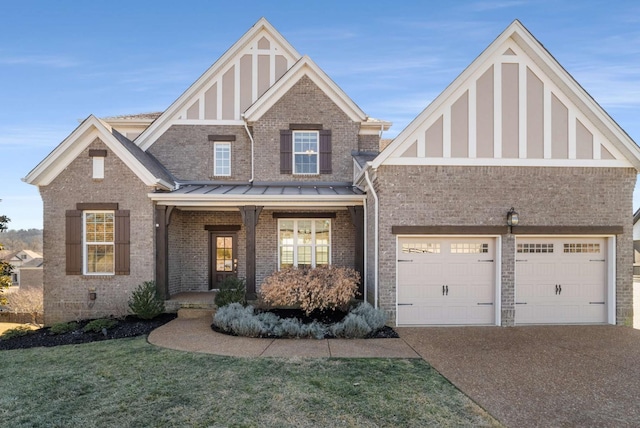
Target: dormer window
(305, 152)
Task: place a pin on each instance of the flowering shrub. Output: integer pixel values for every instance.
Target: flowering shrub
(321, 288)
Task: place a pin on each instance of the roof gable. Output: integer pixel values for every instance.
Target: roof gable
(305, 67)
(90, 129)
(234, 82)
(514, 105)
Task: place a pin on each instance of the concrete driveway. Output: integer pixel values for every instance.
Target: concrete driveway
(549, 376)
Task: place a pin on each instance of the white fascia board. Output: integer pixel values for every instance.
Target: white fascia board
(609, 127)
(373, 128)
(67, 151)
(305, 67)
(162, 123)
(236, 200)
(541, 163)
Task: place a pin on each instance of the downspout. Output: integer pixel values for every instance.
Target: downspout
(375, 234)
(246, 127)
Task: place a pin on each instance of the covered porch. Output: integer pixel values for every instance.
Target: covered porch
(207, 232)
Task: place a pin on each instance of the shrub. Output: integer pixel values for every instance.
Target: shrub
(226, 315)
(231, 290)
(19, 331)
(63, 327)
(375, 318)
(99, 325)
(322, 288)
(352, 326)
(145, 302)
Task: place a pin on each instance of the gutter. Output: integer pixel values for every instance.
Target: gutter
(376, 235)
(246, 127)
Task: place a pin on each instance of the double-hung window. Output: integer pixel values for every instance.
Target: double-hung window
(305, 152)
(98, 242)
(222, 159)
(304, 242)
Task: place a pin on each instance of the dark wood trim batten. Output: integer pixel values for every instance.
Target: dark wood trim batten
(97, 153)
(111, 206)
(303, 215)
(449, 230)
(222, 138)
(568, 230)
(305, 126)
(222, 227)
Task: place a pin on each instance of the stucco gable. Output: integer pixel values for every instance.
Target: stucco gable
(90, 129)
(514, 105)
(234, 82)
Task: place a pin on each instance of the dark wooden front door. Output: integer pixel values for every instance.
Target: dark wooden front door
(224, 258)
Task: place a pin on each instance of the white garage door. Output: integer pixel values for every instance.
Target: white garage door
(561, 280)
(446, 281)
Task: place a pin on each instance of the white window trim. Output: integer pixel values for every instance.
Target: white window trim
(85, 245)
(98, 167)
(294, 153)
(215, 158)
(295, 239)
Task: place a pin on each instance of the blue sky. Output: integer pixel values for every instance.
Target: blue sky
(63, 60)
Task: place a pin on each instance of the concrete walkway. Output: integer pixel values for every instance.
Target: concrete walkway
(195, 335)
(548, 376)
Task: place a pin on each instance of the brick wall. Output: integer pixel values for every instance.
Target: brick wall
(66, 296)
(187, 153)
(451, 195)
(304, 103)
(31, 277)
(369, 143)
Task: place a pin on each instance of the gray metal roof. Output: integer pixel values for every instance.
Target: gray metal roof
(285, 189)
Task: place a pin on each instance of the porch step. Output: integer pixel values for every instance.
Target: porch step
(189, 313)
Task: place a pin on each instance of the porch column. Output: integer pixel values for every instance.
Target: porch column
(163, 215)
(357, 218)
(250, 215)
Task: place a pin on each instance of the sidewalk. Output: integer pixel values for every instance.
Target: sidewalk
(196, 335)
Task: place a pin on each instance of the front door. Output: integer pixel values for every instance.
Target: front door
(224, 258)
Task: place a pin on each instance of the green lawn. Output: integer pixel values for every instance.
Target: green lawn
(129, 383)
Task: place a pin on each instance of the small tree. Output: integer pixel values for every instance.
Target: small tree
(26, 301)
(145, 302)
(5, 267)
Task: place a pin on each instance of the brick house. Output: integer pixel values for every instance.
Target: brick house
(264, 162)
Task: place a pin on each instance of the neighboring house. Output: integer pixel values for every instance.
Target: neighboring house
(264, 162)
(24, 262)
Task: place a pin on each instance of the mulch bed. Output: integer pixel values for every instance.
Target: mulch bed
(130, 326)
(325, 317)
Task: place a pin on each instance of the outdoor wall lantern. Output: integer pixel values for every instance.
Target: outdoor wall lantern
(512, 218)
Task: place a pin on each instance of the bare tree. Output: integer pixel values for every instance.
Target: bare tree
(27, 300)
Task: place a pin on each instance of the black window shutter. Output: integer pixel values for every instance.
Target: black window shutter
(122, 252)
(73, 242)
(325, 151)
(286, 148)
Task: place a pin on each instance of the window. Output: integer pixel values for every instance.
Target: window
(469, 248)
(222, 159)
(99, 236)
(98, 167)
(304, 242)
(535, 248)
(582, 248)
(421, 248)
(305, 152)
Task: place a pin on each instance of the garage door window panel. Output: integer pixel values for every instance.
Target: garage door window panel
(535, 248)
(469, 248)
(582, 248)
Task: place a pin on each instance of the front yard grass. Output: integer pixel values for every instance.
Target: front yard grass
(130, 383)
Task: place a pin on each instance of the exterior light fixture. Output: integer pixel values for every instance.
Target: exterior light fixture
(512, 217)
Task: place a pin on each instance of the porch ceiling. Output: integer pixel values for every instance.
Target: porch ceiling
(263, 194)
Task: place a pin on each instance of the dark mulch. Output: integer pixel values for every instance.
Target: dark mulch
(325, 317)
(130, 326)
